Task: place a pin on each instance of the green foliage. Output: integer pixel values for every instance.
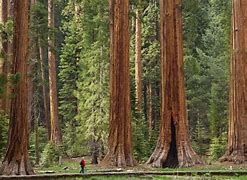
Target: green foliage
(207, 35)
(50, 155)
(218, 147)
(3, 82)
(218, 110)
(15, 79)
(38, 23)
(3, 132)
(74, 142)
(6, 30)
(143, 142)
(83, 74)
(140, 138)
(93, 91)
(40, 143)
(83, 77)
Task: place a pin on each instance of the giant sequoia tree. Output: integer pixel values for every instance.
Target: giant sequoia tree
(237, 133)
(119, 142)
(16, 160)
(173, 147)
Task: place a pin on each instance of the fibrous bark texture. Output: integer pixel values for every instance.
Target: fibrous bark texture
(56, 137)
(173, 148)
(237, 133)
(119, 142)
(16, 160)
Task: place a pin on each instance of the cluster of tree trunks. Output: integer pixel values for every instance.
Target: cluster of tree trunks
(16, 160)
(173, 147)
(237, 133)
(120, 141)
(44, 90)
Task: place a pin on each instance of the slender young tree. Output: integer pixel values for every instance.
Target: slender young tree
(16, 160)
(44, 89)
(56, 136)
(120, 140)
(150, 109)
(237, 132)
(173, 147)
(138, 63)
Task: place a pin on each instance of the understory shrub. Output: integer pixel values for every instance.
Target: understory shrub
(3, 133)
(50, 155)
(217, 147)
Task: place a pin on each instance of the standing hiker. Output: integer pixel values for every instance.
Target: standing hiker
(82, 164)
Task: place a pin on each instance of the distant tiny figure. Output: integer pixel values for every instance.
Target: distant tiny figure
(82, 164)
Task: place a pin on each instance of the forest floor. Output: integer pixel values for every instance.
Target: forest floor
(69, 170)
(71, 166)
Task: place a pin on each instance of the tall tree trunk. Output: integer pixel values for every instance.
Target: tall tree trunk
(36, 129)
(30, 83)
(4, 59)
(44, 91)
(150, 109)
(173, 147)
(29, 97)
(56, 137)
(237, 133)
(120, 140)
(138, 64)
(16, 160)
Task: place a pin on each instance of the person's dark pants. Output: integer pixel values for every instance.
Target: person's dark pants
(82, 170)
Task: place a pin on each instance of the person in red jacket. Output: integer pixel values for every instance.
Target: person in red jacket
(82, 164)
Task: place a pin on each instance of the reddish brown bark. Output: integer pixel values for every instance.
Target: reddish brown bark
(56, 137)
(16, 160)
(173, 147)
(237, 133)
(119, 142)
(138, 63)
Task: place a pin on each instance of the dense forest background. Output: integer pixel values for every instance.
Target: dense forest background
(82, 59)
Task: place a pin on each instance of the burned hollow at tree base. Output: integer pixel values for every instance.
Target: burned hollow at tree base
(172, 157)
(174, 151)
(173, 148)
